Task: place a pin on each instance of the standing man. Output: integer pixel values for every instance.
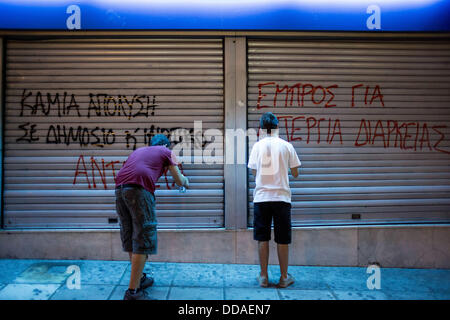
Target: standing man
(270, 161)
(135, 205)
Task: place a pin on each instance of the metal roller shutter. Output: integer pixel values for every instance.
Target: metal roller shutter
(370, 121)
(75, 109)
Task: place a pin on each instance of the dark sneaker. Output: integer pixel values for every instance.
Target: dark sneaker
(146, 281)
(139, 295)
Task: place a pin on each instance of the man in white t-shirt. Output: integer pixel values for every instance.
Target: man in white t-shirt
(270, 161)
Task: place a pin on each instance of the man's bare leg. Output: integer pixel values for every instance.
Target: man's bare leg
(137, 266)
(263, 250)
(283, 258)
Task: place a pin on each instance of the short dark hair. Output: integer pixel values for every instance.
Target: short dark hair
(268, 121)
(160, 140)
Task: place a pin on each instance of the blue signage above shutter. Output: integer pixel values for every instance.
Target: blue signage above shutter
(282, 15)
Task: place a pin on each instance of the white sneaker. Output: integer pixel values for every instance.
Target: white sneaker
(286, 282)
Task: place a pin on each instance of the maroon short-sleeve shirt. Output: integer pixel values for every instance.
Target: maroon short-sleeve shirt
(145, 166)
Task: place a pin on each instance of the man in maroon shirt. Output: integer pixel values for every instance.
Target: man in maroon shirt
(135, 205)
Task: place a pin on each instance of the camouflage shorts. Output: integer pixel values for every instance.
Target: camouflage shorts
(136, 210)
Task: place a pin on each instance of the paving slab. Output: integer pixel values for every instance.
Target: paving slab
(99, 272)
(195, 293)
(241, 275)
(441, 295)
(86, 292)
(428, 280)
(28, 291)
(102, 280)
(409, 295)
(293, 294)
(406, 280)
(12, 268)
(199, 275)
(360, 295)
(45, 272)
(345, 278)
(251, 294)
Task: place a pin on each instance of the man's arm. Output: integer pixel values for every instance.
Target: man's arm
(179, 178)
(252, 159)
(294, 161)
(294, 172)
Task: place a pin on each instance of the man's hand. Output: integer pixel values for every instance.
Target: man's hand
(186, 182)
(294, 172)
(180, 179)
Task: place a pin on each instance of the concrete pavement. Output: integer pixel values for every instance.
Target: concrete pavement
(108, 280)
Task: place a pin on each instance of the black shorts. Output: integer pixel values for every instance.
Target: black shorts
(262, 221)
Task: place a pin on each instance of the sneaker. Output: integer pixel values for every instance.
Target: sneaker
(146, 281)
(263, 281)
(286, 282)
(138, 295)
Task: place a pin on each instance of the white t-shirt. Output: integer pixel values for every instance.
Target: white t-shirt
(272, 157)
